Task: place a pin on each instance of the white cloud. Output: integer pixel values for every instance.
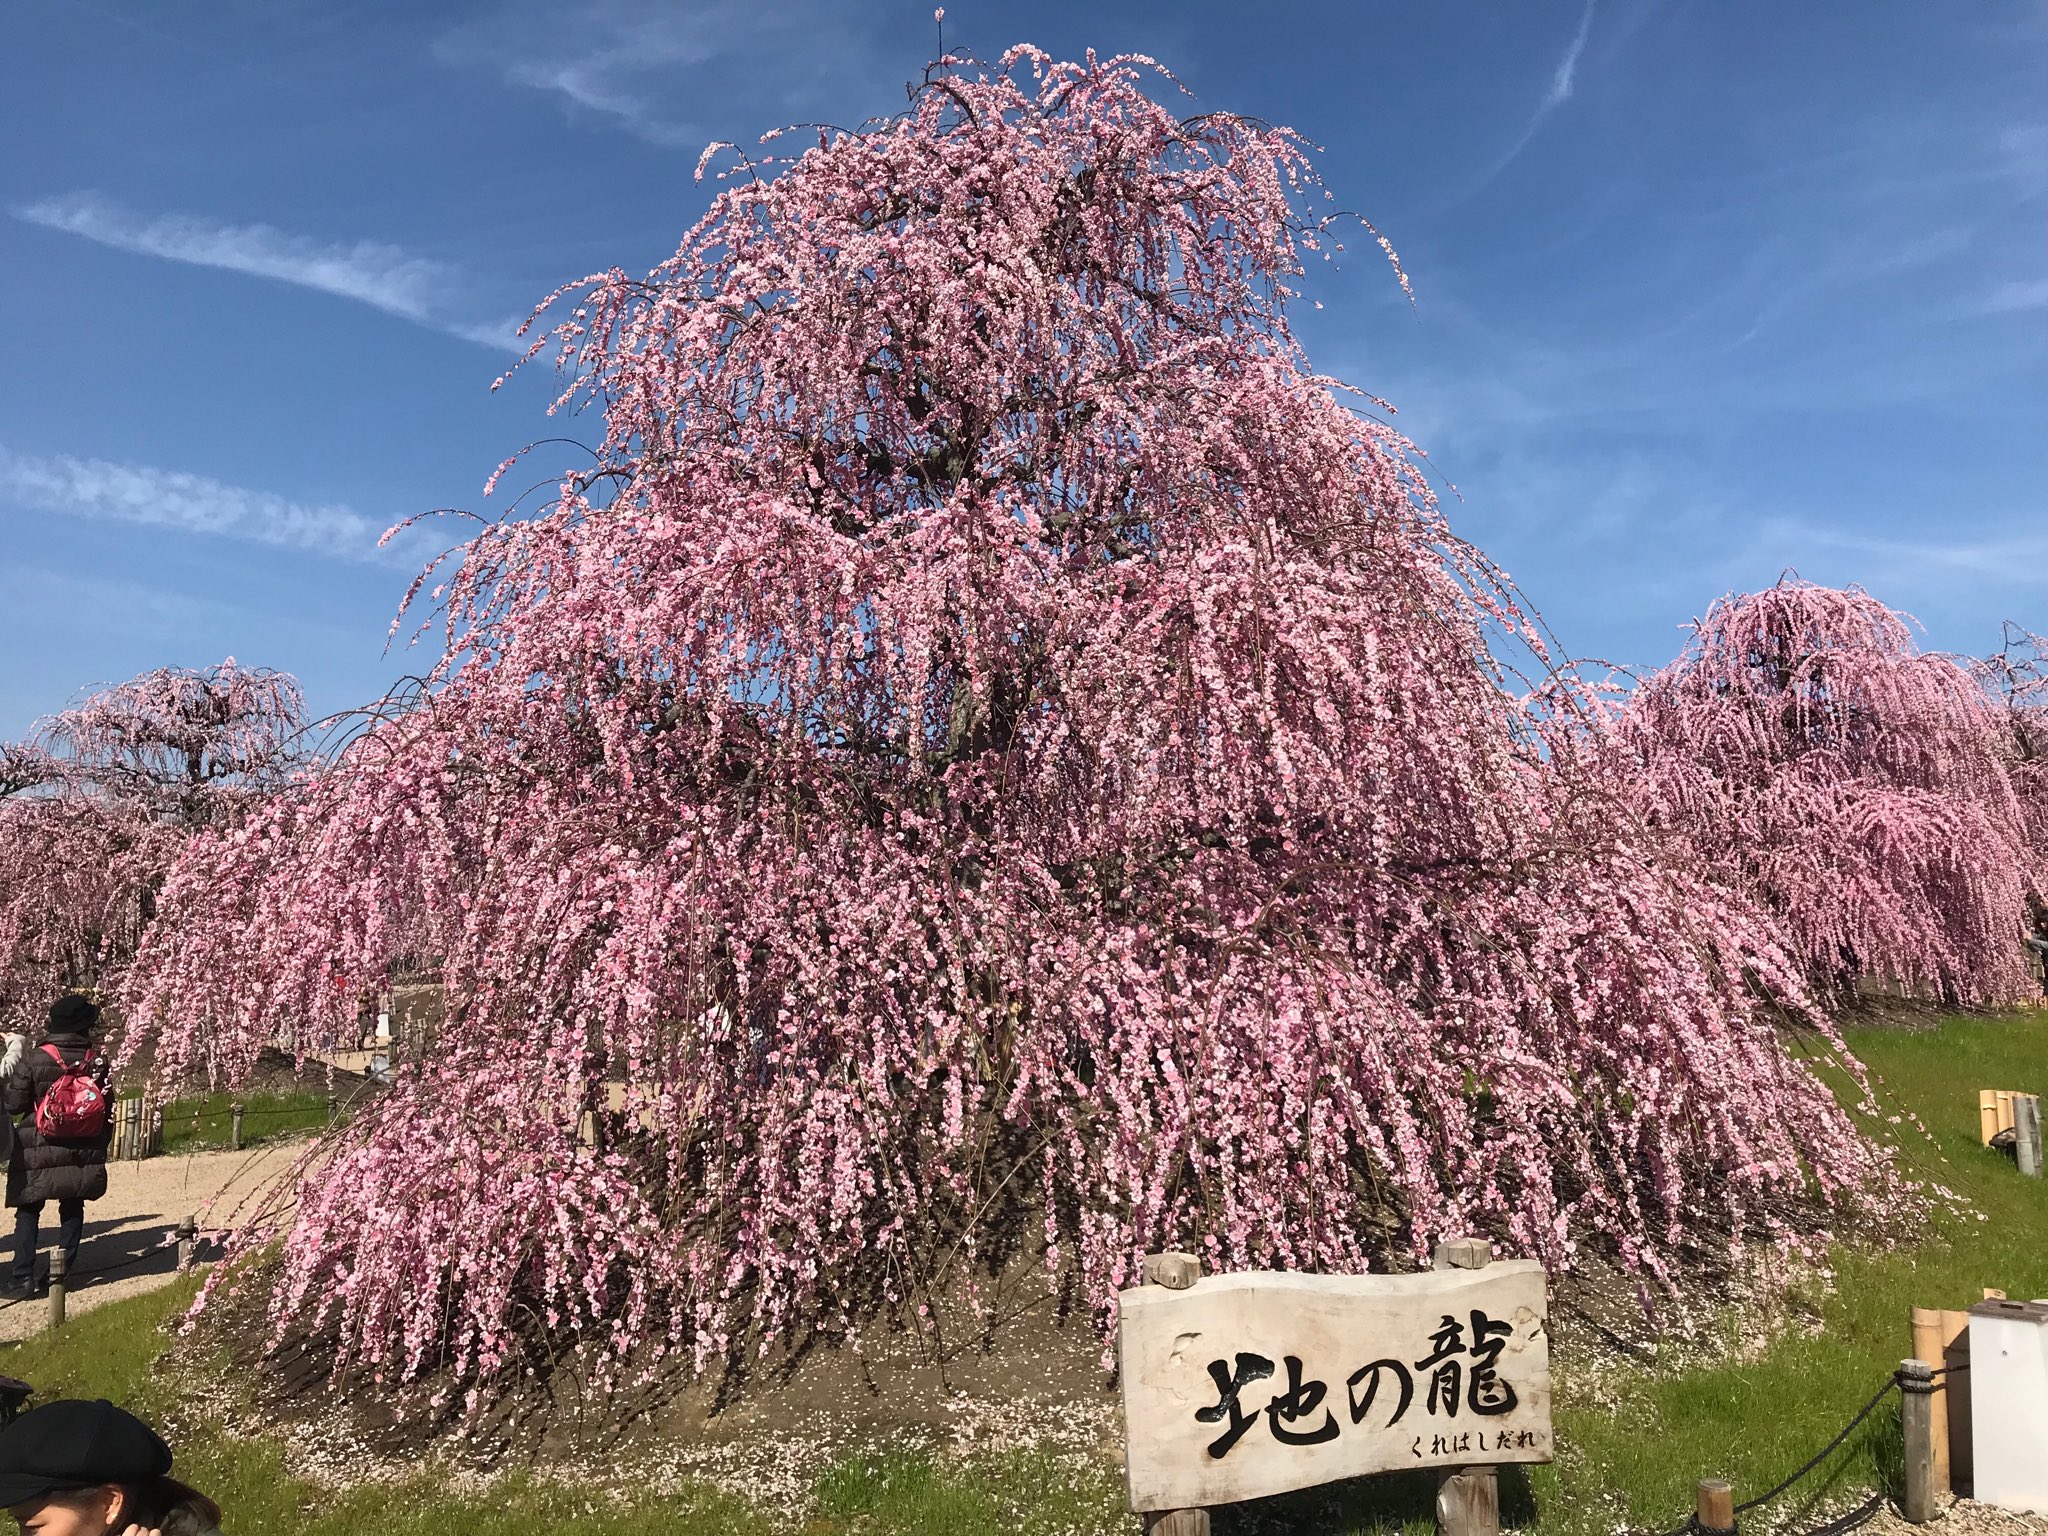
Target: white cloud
(610, 68)
(2016, 298)
(584, 82)
(385, 277)
(186, 503)
(131, 605)
(1568, 67)
(2003, 557)
(2023, 157)
(629, 64)
(1563, 81)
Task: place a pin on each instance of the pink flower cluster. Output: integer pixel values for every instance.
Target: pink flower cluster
(994, 757)
(1867, 795)
(101, 799)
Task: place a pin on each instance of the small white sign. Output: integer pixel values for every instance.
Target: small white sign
(1251, 1384)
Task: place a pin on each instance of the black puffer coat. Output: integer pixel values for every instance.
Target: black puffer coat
(44, 1168)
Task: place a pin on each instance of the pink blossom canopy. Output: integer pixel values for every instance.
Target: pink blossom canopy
(98, 803)
(994, 757)
(1861, 790)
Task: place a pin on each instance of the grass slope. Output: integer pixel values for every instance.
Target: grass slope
(1630, 1459)
(1755, 1422)
(195, 1125)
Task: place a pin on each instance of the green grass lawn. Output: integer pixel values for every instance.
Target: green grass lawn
(1755, 1422)
(193, 1125)
(110, 1352)
(1629, 1460)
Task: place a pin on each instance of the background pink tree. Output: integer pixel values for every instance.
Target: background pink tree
(97, 804)
(1865, 792)
(995, 758)
(2015, 679)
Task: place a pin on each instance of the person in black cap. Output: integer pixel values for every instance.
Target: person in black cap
(91, 1469)
(70, 1169)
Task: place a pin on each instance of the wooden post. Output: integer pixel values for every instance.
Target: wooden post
(2026, 1143)
(1987, 1114)
(235, 1125)
(1467, 1498)
(1916, 1415)
(1928, 1350)
(1468, 1501)
(57, 1286)
(134, 1134)
(1714, 1506)
(1176, 1272)
(188, 1235)
(155, 1143)
(1463, 1253)
(2003, 1098)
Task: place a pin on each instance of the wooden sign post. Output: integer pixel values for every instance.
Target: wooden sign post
(1244, 1385)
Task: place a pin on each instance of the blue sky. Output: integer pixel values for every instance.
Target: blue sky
(1703, 290)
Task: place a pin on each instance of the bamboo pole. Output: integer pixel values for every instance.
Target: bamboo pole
(1955, 1358)
(1987, 1114)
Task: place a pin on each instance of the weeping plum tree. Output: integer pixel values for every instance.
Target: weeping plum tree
(2015, 679)
(993, 758)
(96, 805)
(1861, 790)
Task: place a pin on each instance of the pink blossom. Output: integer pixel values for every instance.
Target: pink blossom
(99, 801)
(994, 746)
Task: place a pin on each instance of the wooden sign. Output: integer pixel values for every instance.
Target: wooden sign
(1250, 1384)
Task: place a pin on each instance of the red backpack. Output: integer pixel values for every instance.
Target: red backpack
(75, 1108)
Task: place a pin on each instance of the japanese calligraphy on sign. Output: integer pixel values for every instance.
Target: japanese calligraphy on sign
(1252, 1384)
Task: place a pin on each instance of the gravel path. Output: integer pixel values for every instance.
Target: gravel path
(144, 1203)
(1958, 1517)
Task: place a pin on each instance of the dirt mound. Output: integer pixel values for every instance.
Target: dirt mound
(1026, 1368)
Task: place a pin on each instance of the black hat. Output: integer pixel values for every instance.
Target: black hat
(73, 1014)
(68, 1445)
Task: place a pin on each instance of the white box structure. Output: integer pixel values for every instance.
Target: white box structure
(2009, 1403)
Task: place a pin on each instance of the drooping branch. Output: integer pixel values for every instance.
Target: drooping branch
(97, 804)
(987, 701)
(1862, 790)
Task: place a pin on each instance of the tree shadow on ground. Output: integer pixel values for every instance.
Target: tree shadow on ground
(118, 1247)
(1396, 1501)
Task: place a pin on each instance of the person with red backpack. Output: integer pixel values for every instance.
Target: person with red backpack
(60, 1095)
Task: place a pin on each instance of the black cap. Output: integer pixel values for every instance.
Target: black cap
(73, 1014)
(67, 1445)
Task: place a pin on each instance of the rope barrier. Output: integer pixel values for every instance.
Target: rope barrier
(1854, 1519)
(1825, 1452)
(1841, 1523)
